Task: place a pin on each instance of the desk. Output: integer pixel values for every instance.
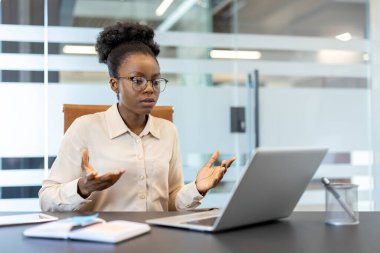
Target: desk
(302, 232)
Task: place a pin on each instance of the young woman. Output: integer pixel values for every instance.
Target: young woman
(124, 159)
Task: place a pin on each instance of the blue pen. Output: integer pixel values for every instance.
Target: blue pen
(336, 195)
(84, 220)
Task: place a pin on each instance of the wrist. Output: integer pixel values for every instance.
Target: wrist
(81, 191)
(203, 193)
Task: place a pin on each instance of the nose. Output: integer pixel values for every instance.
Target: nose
(149, 87)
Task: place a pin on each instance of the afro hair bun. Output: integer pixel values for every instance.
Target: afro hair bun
(113, 36)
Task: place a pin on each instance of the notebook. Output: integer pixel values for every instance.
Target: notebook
(19, 219)
(88, 228)
(271, 184)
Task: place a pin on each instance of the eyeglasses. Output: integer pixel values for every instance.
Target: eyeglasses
(139, 83)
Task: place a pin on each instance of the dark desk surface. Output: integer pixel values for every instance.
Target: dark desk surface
(302, 232)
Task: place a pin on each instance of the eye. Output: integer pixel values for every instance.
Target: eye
(157, 82)
(138, 80)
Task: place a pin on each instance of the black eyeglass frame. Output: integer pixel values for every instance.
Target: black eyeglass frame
(143, 87)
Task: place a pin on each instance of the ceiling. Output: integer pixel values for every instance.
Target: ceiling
(286, 17)
(321, 18)
(303, 17)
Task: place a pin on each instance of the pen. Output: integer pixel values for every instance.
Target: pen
(336, 195)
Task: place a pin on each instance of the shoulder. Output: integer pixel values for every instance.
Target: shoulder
(84, 123)
(164, 126)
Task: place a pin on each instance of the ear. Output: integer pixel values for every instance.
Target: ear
(114, 85)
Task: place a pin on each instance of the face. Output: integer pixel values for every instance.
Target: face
(130, 99)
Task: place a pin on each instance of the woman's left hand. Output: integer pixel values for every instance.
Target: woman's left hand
(209, 176)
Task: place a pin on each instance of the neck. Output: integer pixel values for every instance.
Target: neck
(135, 122)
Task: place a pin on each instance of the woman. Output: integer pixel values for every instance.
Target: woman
(124, 159)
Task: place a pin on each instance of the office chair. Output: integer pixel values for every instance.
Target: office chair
(73, 111)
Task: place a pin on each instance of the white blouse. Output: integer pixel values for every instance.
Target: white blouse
(153, 180)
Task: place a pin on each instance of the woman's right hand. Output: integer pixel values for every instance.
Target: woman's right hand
(92, 181)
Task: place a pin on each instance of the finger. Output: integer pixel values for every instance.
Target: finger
(85, 162)
(224, 166)
(91, 176)
(85, 158)
(110, 177)
(104, 177)
(230, 161)
(91, 169)
(213, 158)
(119, 171)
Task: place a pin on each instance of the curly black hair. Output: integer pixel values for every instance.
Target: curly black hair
(116, 42)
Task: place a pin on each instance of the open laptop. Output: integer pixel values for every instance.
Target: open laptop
(270, 186)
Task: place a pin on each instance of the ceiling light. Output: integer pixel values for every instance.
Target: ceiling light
(163, 7)
(235, 54)
(344, 36)
(176, 15)
(338, 57)
(76, 49)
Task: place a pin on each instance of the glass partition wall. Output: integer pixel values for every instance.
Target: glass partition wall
(311, 73)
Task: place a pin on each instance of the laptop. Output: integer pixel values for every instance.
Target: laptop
(269, 188)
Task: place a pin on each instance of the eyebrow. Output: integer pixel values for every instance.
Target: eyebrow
(141, 74)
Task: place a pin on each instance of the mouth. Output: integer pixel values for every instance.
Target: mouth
(148, 102)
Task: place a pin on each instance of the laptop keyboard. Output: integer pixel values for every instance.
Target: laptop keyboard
(202, 222)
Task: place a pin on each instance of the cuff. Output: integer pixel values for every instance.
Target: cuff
(189, 197)
(71, 193)
(192, 188)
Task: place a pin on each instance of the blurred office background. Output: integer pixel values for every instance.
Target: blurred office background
(243, 73)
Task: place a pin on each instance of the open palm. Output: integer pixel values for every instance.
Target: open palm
(209, 176)
(92, 181)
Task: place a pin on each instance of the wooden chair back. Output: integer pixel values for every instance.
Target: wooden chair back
(73, 111)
